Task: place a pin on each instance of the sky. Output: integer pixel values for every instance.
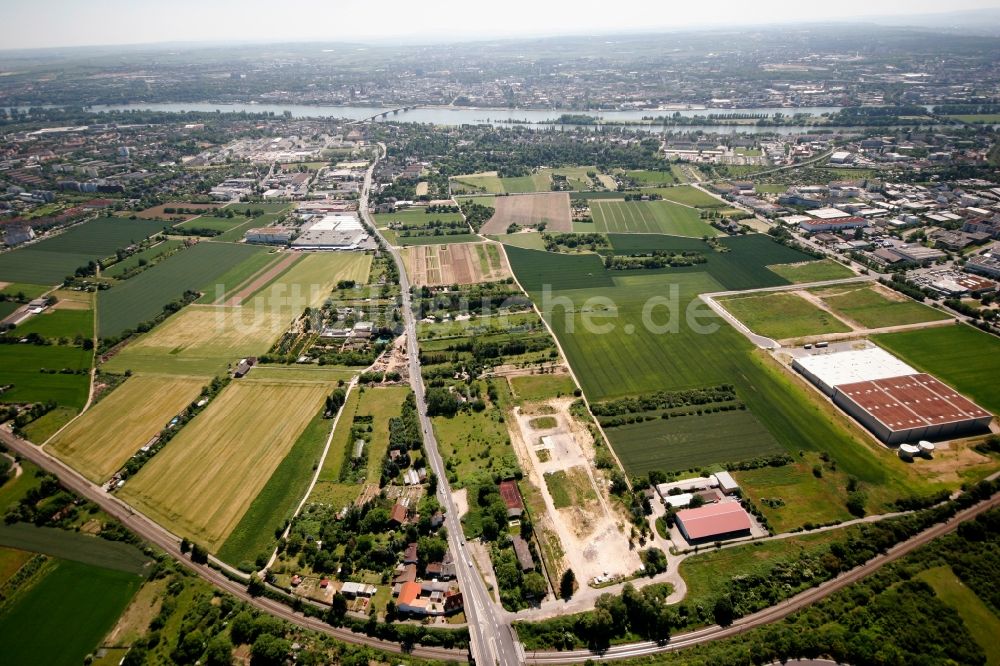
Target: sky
(54, 23)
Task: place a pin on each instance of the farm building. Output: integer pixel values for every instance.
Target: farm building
(714, 522)
(897, 403)
(512, 498)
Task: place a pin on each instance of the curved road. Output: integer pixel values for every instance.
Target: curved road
(774, 613)
(162, 538)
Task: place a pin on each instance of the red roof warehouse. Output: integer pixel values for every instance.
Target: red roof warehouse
(725, 520)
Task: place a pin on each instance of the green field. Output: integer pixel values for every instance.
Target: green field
(21, 366)
(781, 315)
(648, 217)
(477, 183)
(977, 118)
(645, 178)
(150, 253)
(812, 271)
(63, 617)
(53, 324)
(220, 224)
(806, 497)
(532, 388)
(417, 217)
(236, 233)
(689, 196)
(982, 623)
(529, 241)
(76, 547)
(686, 442)
(962, 356)
(876, 307)
(29, 291)
(254, 534)
(50, 260)
(536, 182)
(620, 363)
(142, 298)
(233, 279)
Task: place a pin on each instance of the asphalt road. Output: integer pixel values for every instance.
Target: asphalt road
(492, 638)
(774, 613)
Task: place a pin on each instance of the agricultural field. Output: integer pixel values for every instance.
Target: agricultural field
(414, 217)
(213, 223)
(648, 217)
(781, 315)
(253, 536)
(107, 435)
(688, 195)
(982, 623)
(160, 213)
(379, 404)
(28, 291)
(962, 356)
(744, 266)
(645, 178)
(686, 442)
(203, 482)
(540, 181)
(116, 270)
(201, 340)
(875, 306)
(75, 602)
(530, 210)
(616, 364)
(142, 297)
(72, 316)
(485, 183)
(803, 496)
(812, 271)
(237, 279)
(529, 240)
(433, 265)
(22, 365)
(204, 339)
(533, 388)
(50, 260)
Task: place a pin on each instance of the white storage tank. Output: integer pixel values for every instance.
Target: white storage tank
(927, 448)
(907, 451)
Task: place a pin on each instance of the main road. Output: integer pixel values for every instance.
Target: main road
(491, 635)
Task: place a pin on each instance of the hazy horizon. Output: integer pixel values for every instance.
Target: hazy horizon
(56, 23)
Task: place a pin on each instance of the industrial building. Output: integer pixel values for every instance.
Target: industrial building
(332, 232)
(896, 402)
(714, 522)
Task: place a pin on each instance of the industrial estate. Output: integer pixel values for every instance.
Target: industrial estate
(648, 353)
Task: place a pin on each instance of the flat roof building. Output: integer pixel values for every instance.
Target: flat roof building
(714, 522)
(894, 401)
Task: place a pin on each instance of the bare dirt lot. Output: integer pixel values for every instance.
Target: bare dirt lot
(530, 210)
(559, 461)
(460, 263)
(158, 212)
